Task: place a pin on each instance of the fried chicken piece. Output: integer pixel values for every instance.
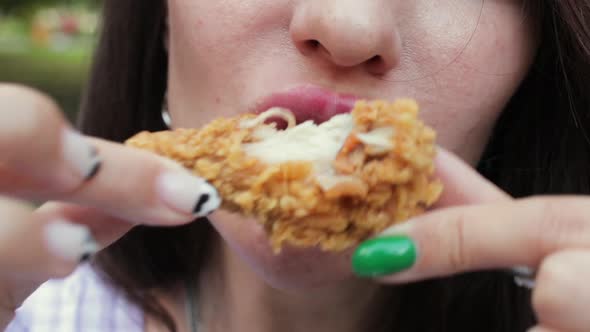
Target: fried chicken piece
(330, 185)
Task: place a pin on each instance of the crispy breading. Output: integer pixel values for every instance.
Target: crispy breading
(380, 187)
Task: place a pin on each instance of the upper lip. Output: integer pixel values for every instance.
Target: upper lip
(309, 103)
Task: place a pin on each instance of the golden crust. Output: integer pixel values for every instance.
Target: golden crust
(385, 187)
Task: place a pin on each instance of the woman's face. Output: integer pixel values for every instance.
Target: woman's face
(460, 59)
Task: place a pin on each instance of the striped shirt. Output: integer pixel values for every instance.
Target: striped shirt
(81, 302)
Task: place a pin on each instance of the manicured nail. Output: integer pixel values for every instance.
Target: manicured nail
(72, 242)
(383, 256)
(79, 153)
(187, 193)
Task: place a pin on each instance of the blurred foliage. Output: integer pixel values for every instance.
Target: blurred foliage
(47, 44)
(61, 76)
(26, 5)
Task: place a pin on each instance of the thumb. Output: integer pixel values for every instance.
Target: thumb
(476, 237)
(396, 249)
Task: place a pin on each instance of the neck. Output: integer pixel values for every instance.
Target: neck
(237, 299)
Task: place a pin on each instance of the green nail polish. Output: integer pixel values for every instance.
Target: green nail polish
(384, 255)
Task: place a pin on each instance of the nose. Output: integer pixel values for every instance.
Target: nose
(348, 33)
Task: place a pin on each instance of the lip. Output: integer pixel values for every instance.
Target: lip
(309, 103)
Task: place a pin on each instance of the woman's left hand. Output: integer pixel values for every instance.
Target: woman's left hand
(479, 227)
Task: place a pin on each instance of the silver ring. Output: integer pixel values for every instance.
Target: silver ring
(523, 276)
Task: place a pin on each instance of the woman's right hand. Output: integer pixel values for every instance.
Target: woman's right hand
(97, 191)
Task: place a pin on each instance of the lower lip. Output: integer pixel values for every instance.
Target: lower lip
(311, 103)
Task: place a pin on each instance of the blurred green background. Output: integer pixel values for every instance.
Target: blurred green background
(48, 45)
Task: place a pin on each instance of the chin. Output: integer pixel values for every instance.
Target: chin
(315, 183)
(293, 269)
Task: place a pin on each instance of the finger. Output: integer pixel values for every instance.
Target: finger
(57, 236)
(542, 329)
(105, 229)
(36, 246)
(45, 159)
(141, 187)
(41, 153)
(562, 297)
(462, 184)
(459, 239)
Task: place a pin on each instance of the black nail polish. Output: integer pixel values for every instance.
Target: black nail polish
(202, 200)
(90, 247)
(87, 256)
(94, 170)
(96, 164)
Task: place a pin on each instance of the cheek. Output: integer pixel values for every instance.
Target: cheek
(474, 33)
(198, 52)
(213, 47)
(502, 46)
(465, 96)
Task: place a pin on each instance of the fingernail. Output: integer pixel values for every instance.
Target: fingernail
(187, 193)
(79, 153)
(72, 242)
(383, 256)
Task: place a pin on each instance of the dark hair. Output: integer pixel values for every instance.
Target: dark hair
(540, 145)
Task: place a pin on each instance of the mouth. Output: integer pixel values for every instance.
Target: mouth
(307, 123)
(307, 103)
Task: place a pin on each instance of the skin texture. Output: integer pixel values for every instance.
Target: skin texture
(445, 55)
(462, 61)
(224, 56)
(41, 161)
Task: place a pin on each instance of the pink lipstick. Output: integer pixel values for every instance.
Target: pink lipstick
(309, 103)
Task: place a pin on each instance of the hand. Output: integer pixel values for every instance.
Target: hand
(101, 190)
(476, 226)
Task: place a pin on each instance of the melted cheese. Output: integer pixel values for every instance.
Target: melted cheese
(305, 142)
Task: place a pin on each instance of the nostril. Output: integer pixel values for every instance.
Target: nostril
(375, 61)
(376, 65)
(308, 46)
(312, 44)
